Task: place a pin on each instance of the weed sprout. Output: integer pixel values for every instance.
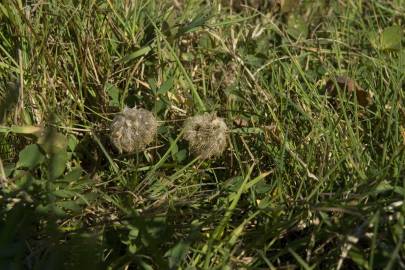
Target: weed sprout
(206, 135)
(133, 129)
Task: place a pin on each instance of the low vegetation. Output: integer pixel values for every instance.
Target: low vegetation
(276, 136)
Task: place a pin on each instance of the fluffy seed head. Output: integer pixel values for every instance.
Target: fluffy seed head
(206, 135)
(133, 129)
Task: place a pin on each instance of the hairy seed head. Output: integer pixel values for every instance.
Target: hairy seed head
(206, 135)
(133, 129)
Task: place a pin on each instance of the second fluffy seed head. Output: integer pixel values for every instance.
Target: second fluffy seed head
(206, 135)
(133, 129)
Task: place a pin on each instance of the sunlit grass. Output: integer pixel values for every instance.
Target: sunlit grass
(308, 171)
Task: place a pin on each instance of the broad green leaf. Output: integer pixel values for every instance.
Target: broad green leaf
(166, 86)
(177, 253)
(53, 142)
(133, 232)
(205, 41)
(50, 208)
(132, 248)
(73, 175)
(57, 164)
(72, 205)
(161, 104)
(254, 60)
(8, 169)
(174, 148)
(383, 186)
(114, 93)
(181, 155)
(30, 157)
(187, 57)
(153, 84)
(89, 197)
(262, 188)
(234, 183)
(297, 27)
(72, 142)
(24, 180)
(391, 38)
(63, 193)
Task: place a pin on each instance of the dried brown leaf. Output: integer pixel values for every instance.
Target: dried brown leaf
(364, 98)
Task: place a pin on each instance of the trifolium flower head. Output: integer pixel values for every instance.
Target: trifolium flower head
(206, 135)
(133, 129)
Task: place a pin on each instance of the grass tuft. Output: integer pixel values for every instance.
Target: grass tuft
(312, 94)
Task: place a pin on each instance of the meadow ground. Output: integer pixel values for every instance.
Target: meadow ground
(313, 173)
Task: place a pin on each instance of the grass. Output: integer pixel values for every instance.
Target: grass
(311, 179)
